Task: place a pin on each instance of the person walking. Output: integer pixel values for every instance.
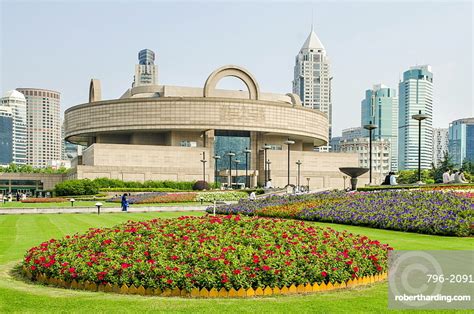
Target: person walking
(252, 196)
(124, 202)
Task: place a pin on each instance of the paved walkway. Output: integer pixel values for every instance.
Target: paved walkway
(88, 210)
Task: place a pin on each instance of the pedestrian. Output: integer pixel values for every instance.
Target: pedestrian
(459, 177)
(17, 196)
(393, 179)
(387, 179)
(252, 196)
(447, 176)
(124, 202)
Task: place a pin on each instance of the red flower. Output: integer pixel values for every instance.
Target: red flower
(324, 274)
(151, 261)
(33, 267)
(237, 218)
(125, 265)
(266, 268)
(89, 264)
(356, 269)
(146, 253)
(170, 281)
(379, 268)
(72, 269)
(237, 271)
(224, 280)
(174, 257)
(189, 275)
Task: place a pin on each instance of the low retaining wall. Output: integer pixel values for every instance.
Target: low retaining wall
(204, 293)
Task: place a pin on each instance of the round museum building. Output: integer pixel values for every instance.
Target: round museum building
(161, 132)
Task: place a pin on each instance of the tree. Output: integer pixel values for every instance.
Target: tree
(446, 164)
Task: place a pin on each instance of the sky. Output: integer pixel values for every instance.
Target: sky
(61, 45)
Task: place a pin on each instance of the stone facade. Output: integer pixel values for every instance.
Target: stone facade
(163, 132)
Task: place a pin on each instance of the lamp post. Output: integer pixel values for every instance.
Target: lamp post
(72, 202)
(230, 154)
(289, 143)
(307, 179)
(268, 162)
(265, 169)
(420, 117)
(216, 158)
(370, 127)
(203, 160)
(247, 181)
(98, 205)
(237, 162)
(299, 162)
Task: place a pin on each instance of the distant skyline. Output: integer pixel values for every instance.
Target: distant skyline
(62, 45)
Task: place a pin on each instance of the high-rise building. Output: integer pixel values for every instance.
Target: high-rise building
(440, 144)
(351, 133)
(145, 71)
(44, 128)
(415, 95)
(381, 151)
(17, 102)
(380, 107)
(312, 79)
(461, 140)
(6, 135)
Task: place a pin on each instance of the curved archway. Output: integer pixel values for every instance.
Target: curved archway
(235, 71)
(95, 92)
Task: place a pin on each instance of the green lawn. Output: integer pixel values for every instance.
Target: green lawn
(20, 232)
(89, 204)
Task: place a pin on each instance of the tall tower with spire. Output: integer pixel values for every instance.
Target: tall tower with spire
(312, 79)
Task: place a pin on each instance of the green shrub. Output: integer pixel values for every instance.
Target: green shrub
(139, 190)
(200, 185)
(76, 187)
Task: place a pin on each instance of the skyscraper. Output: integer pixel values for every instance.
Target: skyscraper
(312, 79)
(6, 135)
(440, 144)
(145, 71)
(461, 140)
(380, 107)
(17, 102)
(44, 128)
(415, 94)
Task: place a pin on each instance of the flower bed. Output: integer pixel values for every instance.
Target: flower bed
(221, 196)
(44, 200)
(162, 197)
(435, 212)
(209, 252)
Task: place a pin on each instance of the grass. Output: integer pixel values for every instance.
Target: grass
(20, 232)
(89, 204)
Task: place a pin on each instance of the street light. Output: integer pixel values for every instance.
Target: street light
(203, 160)
(268, 162)
(98, 205)
(370, 127)
(72, 202)
(216, 158)
(230, 154)
(289, 142)
(265, 169)
(420, 117)
(237, 162)
(299, 162)
(308, 183)
(247, 152)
